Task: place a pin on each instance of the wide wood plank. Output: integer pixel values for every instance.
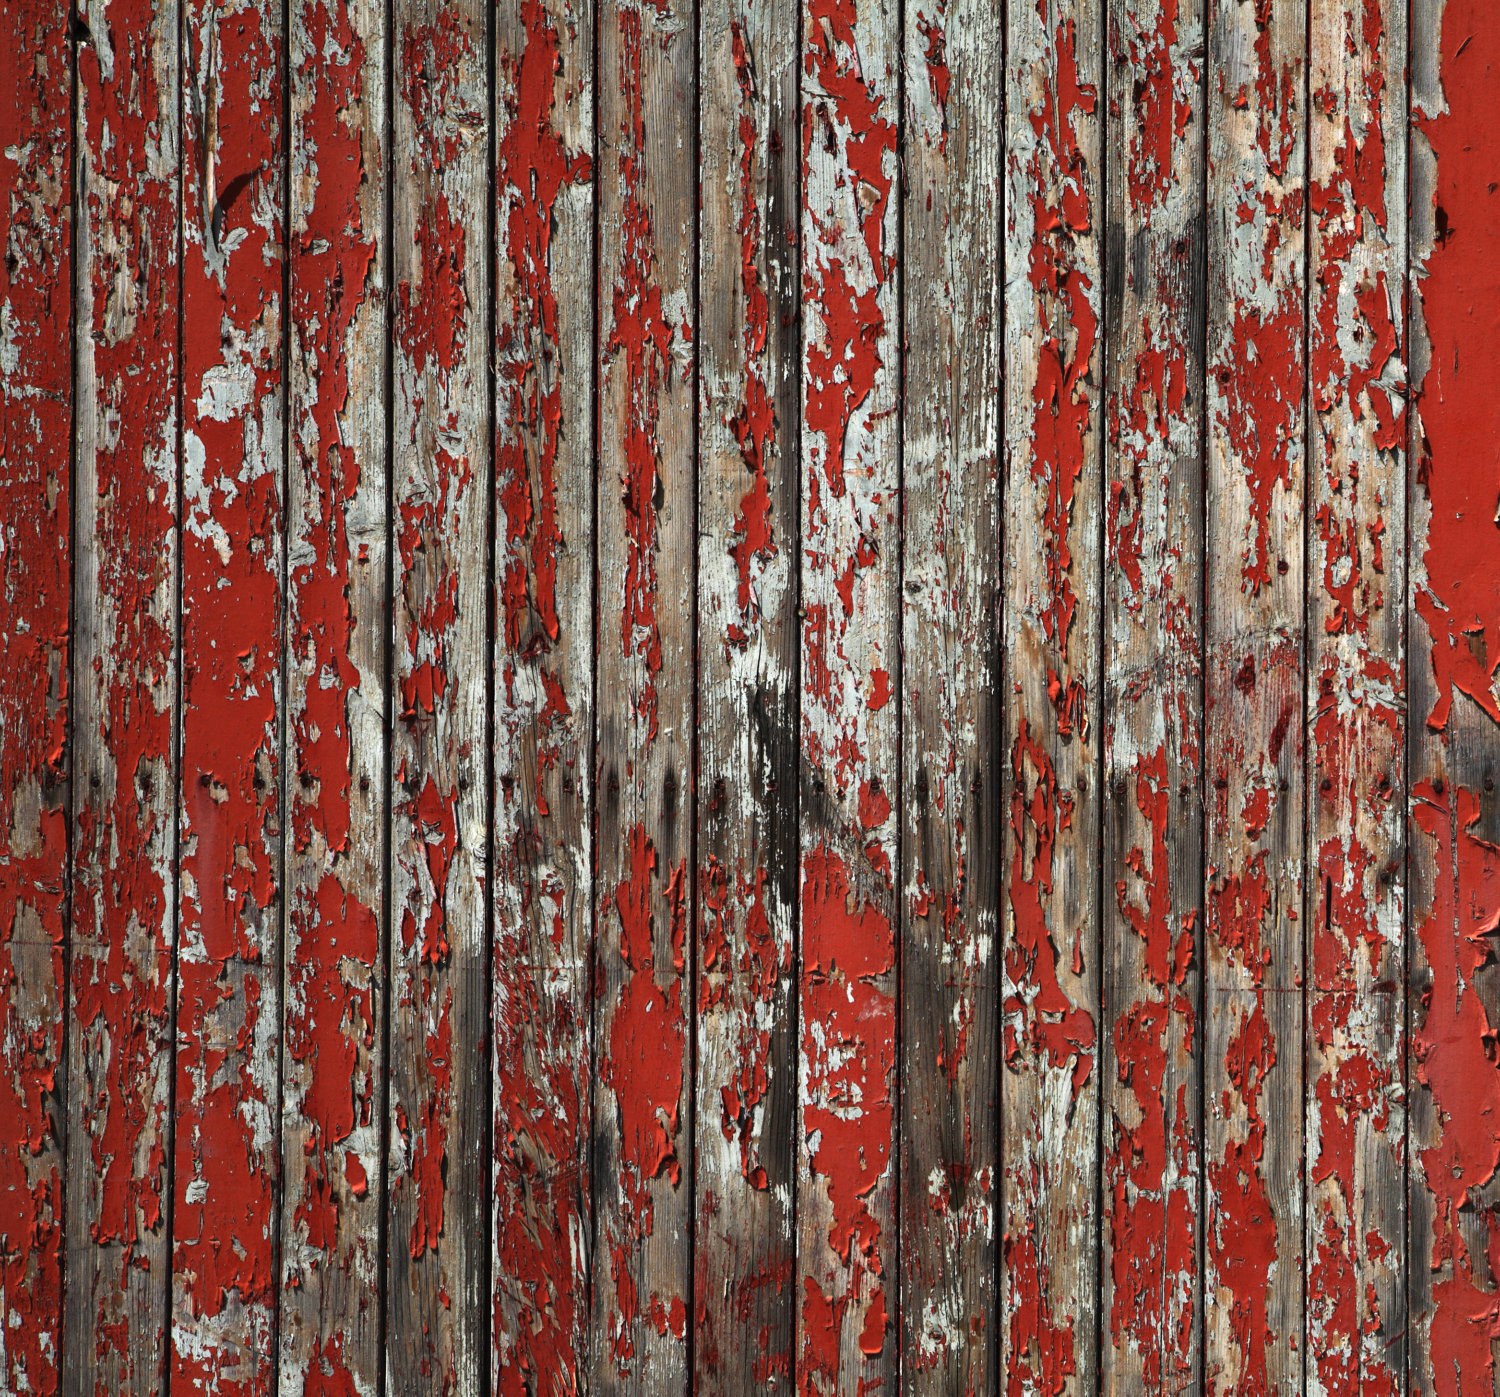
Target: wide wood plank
(1153, 685)
(1454, 619)
(643, 1135)
(543, 695)
(1256, 479)
(335, 799)
(125, 657)
(35, 557)
(1052, 694)
(748, 411)
(1356, 618)
(953, 837)
(847, 1290)
(227, 1145)
(438, 1304)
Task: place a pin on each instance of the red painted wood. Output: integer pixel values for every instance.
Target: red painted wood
(125, 605)
(850, 784)
(227, 1143)
(35, 517)
(543, 696)
(335, 797)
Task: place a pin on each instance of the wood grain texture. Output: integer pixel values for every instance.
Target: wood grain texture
(848, 1161)
(334, 952)
(36, 424)
(1356, 574)
(643, 1132)
(543, 695)
(1051, 684)
(125, 692)
(226, 1169)
(1256, 497)
(748, 414)
(438, 1304)
(1454, 620)
(953, 837)
(1153, 690)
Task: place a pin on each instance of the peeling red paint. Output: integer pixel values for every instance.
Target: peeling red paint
(848, 1055)
(643, 1068)
(1459, 600)
(228, 1018)
(1355, 1308)
(333, 935)
(35, 426)
(850, 548)
(540, 1296)
(123, 885)
(1151, 1170)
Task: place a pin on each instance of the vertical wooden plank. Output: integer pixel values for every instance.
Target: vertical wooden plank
(225, 1172)
(335, 800)
(1355, 1109)
(35, 558)
(1455, 646)
(1051, 689)
(438, 1302)
(847, 1292)
(745, 1117)
(1255, 691)
(950, 683)
(543, 693)
(125, 604)
(1153, 684)
(642, 1152)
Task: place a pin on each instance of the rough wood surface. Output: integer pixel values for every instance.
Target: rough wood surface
(1454, 619)
(1254, 681)
(227, 1147)
(332, 1126)
(124, 885)
(438, 1306)
(748, 415)
(1151, 1301)
(848, 1162)
(617, 777)
(36, 424)
(1356, 618)
(953, 838)
(646, 725)
(1053, 698)
(543, 695)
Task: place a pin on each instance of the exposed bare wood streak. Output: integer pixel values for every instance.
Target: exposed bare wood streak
(953, 834)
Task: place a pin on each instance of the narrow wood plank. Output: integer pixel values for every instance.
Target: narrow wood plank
(35, 558)
(847, 1289)
(642, 1147)
(1153, 685)
(332, 1127)
(745, 1117)
(438, 1305)
(1256, 479)
(950, 684)
(1356, 714)
(1454, 616)
(543, 694)
(227, 1145)
(1052, 695)
(125, 654)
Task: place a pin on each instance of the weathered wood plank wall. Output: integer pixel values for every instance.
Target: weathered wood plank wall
(746, 696)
